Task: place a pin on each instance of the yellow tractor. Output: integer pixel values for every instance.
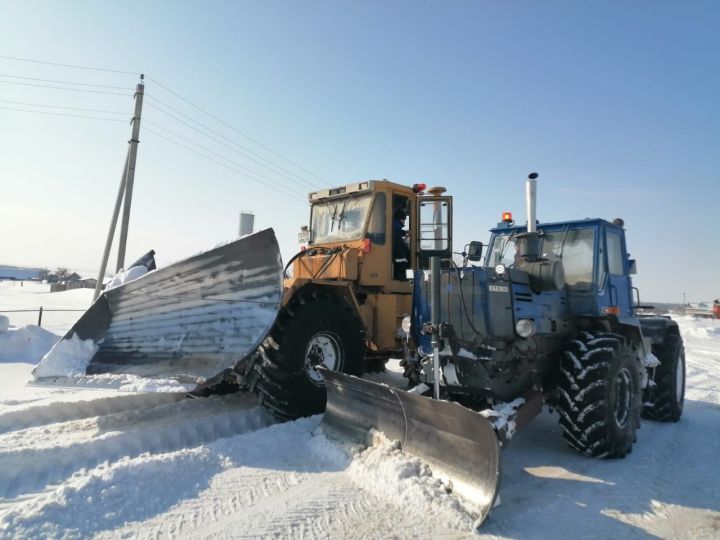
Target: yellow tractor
(346, 293)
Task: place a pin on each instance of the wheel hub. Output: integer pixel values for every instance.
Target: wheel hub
(322, 349)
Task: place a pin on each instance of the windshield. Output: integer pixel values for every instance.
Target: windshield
(502, 251)
(575, 248)
(339, 220)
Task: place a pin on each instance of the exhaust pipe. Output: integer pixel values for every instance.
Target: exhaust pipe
(530, 198)
(528, 243)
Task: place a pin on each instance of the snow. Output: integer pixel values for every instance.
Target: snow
(106, 464)
(27, 344)
(32, 296)
(67, 358)
(126, 276)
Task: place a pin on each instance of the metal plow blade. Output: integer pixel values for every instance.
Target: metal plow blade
(188, 321)
(455, 440)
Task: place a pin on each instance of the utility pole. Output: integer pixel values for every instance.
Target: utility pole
(684, 303)
(130, 176)
(125, 191)
(111, 231)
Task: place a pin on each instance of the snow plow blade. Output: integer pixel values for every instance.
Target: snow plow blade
(189, 321)
(456, 441)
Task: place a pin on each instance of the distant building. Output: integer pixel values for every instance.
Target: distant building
(89, 283)
(19, 273)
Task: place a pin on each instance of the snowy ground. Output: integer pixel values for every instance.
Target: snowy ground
(98, 463)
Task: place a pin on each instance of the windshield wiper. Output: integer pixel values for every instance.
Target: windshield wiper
(342, 212)
(332, 216)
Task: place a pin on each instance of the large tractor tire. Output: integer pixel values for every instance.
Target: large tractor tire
(314, 328)
(664, 402)
(600, 395)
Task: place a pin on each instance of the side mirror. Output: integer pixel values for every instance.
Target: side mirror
(434, 228)
(474, 252)
(632, 266)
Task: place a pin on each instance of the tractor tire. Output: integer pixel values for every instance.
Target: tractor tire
(664, 402)
(600, 395)
(314, 328)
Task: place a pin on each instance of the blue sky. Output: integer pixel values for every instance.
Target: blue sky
(615, 104)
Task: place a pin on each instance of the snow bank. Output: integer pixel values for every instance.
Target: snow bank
(27, 344)
(409, 482)
(706, 332)
(132, 383)
(126, 276)
(101, 499)
(67, 358)
(4, 323)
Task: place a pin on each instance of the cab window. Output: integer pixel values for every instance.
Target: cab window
(376, 228)
(614, 254)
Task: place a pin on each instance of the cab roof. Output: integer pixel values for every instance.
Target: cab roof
(356, 187)
(503, 228)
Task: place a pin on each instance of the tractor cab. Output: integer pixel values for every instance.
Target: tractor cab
(593, 258)
(360, 243)
(361, 232)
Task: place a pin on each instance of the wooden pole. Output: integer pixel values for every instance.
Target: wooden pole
(130, 177)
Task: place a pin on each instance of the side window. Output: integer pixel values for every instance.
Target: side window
(376, 228)
(614, 254)
(577, 259)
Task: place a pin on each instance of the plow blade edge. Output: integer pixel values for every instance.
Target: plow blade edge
(454, 440)
(190, 320)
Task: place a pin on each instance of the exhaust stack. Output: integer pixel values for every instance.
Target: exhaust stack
(530, 198)
(528, 243)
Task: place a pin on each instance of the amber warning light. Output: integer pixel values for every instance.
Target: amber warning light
(507, 217)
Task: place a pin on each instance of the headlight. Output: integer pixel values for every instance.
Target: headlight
(525, 328)
(405, 325)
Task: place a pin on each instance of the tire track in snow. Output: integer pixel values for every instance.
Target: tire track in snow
(289, 481)
(75, 410)
(261, 468)
(321, 506)
(108, 438)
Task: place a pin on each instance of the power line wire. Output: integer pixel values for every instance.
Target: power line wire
(304, 186)
(308, 185)
(167, 89)
(63, 88)
(287, 194)
(74, 66)
(66, 82)
(208, 150)
(64, 114)
(61, 107)
(233, 128)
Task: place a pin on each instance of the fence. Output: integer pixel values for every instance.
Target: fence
(40, 312)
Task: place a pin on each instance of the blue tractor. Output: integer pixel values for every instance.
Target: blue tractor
(550, 316)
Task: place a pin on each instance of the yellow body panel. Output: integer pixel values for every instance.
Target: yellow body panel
(388, 311)
(363, 270)
(341, 265)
